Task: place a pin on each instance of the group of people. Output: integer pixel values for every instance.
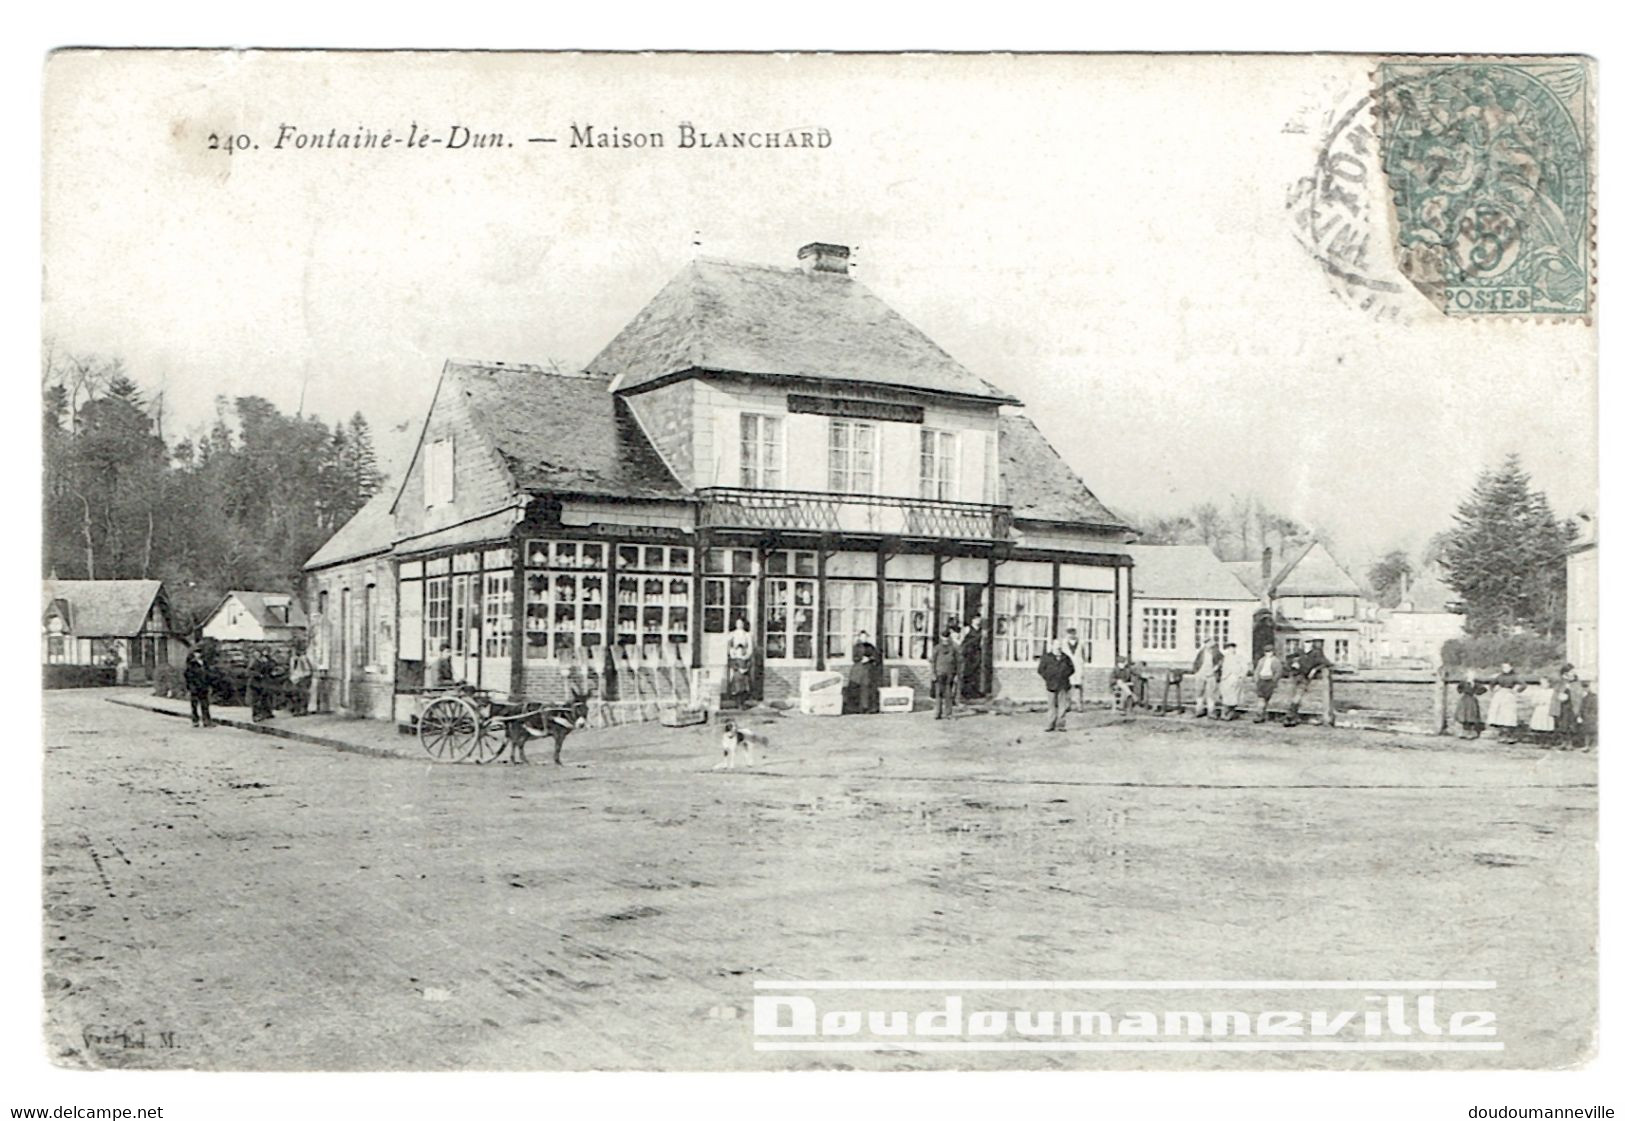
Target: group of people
(956, 668)
(1220, 675)
(1562, 710)
(264, 686)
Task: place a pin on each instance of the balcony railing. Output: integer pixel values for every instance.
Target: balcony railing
(820, 512)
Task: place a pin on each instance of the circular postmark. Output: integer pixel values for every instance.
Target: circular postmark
(1338, 213)
(1465, 180)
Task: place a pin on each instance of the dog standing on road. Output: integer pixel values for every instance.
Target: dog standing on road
(737, 742)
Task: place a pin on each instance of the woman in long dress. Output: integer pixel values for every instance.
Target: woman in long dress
(1468, 717)
(740, 648)
(1232, 681)
(1503, 717)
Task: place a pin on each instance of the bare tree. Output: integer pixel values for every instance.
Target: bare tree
(1209, 524)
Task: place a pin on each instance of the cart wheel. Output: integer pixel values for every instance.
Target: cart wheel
(490, 741)
(449, 729)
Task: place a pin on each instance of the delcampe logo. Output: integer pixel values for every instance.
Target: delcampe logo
(1123, 1016)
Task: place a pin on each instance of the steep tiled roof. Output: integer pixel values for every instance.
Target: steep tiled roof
(564, 433)
(1184, 572)
(752, 319)
(1038, 484)
(103, 608)
(369, 532)
(1249, 573)
(258, 605)
(1313, 572)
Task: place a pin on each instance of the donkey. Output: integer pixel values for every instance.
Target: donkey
(557, 721)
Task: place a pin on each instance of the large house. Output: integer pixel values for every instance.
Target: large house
(90, 622)
(772, 445)
(1183, 596)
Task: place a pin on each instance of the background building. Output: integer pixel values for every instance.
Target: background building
(1311, 596)
(1412, 634)
(1581, 614)
(255, 617)
(1184, 595)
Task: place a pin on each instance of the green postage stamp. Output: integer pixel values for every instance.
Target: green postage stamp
(1489, 169)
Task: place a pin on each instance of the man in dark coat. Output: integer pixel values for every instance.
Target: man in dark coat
(196, 676)
(865, 677)
(262, 685)
(971, 652)
(1302, 668)
(1056, 669)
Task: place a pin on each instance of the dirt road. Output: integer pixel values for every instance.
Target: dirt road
(221, 900)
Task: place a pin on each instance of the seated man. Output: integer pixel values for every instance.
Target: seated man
(1124, 686)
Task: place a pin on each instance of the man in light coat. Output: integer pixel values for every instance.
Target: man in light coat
(1207, 667)
(1075, 652)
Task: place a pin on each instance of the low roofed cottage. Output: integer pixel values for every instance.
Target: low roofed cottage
(89, 622)
(256, 617)
(775, 446)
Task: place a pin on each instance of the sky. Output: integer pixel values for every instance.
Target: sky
(1108, 239)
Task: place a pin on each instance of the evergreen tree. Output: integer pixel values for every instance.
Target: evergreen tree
(1505, 555)
(364, 460)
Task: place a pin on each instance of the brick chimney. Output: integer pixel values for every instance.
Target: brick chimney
(1264, 565)
(819, 256)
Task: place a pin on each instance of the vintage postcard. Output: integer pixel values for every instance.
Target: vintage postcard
(819, 562)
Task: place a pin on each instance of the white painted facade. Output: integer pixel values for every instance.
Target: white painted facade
(807, 438)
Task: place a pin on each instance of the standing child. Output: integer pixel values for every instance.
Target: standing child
(945, 669)
(1468, 716)
(1266, 675)
(1541, 718)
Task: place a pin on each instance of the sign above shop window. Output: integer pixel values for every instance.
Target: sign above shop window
(853, 407)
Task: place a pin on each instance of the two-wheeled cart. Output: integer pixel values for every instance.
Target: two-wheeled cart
(463, 724)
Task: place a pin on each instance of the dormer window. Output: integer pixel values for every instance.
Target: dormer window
(438, 464)
(761, 451)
